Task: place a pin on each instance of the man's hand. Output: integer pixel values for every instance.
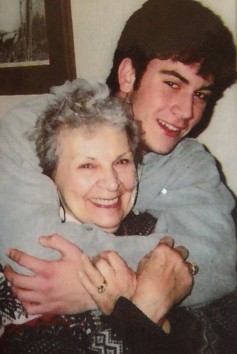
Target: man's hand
(163, 279)
(55, 286)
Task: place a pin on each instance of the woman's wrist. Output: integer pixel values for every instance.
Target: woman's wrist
(154, 310)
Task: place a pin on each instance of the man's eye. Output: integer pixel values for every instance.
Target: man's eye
(202, 96)
(172, 84)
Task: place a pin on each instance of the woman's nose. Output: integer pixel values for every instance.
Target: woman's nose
(109, 180)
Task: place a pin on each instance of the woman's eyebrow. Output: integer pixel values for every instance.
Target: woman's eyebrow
(94, 158)
(123, 154)
(90, 157)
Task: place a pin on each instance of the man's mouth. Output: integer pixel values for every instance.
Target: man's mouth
(168, 126)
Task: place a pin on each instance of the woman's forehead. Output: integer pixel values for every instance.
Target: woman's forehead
(92, 141)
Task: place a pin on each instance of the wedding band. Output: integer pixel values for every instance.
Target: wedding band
(102, 287)
(193, 268)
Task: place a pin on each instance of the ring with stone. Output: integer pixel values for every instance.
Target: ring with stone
(193, 268)
(102, 287)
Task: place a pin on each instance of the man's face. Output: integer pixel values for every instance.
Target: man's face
(170, 101)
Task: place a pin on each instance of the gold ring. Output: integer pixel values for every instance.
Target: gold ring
(102, 287)
(193, 268)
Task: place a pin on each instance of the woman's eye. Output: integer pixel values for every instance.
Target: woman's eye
(86, 166)
(123, 161)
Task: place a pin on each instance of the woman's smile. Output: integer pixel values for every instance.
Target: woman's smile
(106, 203)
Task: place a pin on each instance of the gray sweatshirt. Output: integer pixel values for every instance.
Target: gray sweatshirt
(182, 189)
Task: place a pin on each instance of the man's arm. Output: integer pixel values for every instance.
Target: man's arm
(194, 207)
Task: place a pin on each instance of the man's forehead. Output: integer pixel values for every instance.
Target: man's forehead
(182, 71)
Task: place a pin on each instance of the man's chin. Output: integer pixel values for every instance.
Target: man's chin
(161, 149)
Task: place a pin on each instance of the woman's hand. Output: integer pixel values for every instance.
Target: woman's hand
(163, 279)
(107, 278)
(55, 286)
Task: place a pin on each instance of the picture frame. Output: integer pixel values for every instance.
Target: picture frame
(36, 79)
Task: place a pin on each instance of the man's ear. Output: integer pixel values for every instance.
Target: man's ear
(126, 76)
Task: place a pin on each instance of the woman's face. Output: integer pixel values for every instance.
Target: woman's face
(96, 175)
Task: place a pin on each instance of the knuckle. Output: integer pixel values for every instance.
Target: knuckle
(99, 262)
(167, 240)
(46, 273)
(162, 248)
(48, 270)
(110, 252)
(53, 238)
(47, 289)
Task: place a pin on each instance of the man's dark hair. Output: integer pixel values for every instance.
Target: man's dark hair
(181, 30)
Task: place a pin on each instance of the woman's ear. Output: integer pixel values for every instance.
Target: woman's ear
(126, 76)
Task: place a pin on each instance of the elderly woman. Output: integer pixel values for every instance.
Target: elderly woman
(87, 149)
(86, 144)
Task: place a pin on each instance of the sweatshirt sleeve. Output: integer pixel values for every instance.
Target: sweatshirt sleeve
(138, 332)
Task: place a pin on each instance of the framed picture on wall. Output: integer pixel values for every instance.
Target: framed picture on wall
(36, 45)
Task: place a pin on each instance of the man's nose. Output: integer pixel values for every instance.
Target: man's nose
(183, 107)
(109, 180)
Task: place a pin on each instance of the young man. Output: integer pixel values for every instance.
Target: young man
(173, 62)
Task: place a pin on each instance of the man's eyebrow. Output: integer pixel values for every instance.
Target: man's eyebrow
(209, 87)
(175, 74)
(184, 80)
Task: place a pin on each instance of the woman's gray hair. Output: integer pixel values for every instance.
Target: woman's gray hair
(86, 106)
